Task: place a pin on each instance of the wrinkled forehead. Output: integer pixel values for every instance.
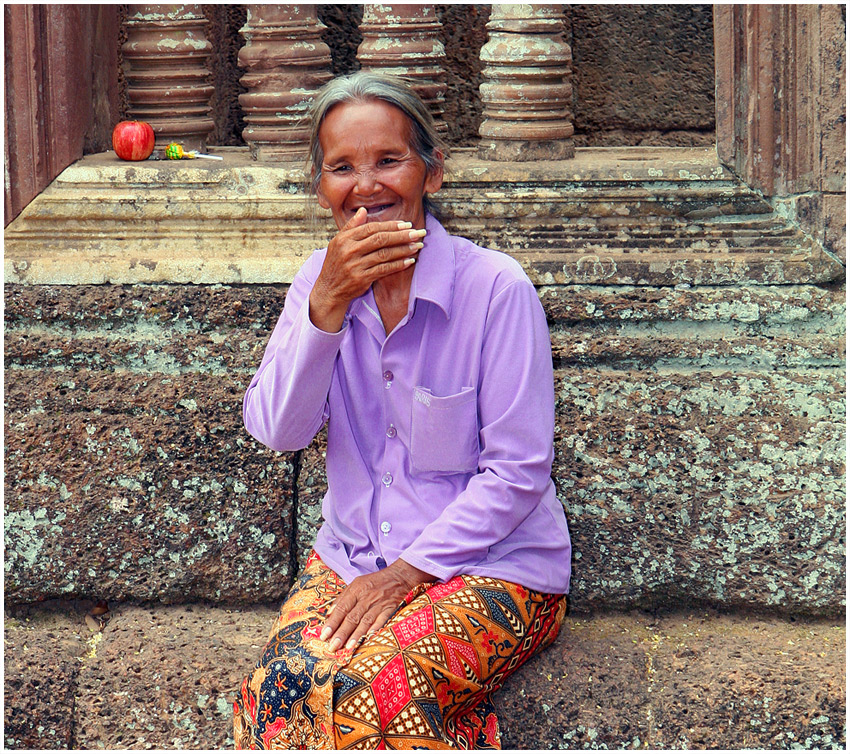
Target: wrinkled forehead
(372, 105)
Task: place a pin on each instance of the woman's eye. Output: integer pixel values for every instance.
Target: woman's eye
(340, 168)
(388, 161)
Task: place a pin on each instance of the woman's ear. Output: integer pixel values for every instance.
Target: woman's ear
(434, 177)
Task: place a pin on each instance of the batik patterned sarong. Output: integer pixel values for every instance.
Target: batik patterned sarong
(424, 680)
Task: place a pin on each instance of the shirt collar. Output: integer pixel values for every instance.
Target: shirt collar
(434, 276)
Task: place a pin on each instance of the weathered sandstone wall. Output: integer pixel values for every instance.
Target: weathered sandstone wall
(699, 446)
(621, 681)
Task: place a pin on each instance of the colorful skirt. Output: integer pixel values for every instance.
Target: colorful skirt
(424, 680)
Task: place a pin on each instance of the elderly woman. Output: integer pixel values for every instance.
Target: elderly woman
(443, 560)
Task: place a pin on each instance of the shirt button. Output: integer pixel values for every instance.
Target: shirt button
(387, 479)
(391, 431)
(386, 527)
(388, 375)
(381, 563)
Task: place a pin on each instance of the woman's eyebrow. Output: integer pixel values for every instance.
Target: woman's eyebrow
(328, 161)
(395, 152)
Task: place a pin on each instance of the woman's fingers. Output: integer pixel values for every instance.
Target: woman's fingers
(358, 218)
(354, 266)
(380, 621)
(362, 228)
(377, 234)
(365, 605)
(349, 254)
(358, 627)
(357, 256)
(387, 254)
(359, 618)
(336, 615)
(383, 244)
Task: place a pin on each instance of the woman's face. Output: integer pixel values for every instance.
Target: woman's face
(368, 162)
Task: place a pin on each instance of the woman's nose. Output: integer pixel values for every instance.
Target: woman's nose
(367, 182)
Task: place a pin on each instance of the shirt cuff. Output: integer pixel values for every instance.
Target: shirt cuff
(317, 334)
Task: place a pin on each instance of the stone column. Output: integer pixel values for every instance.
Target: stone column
(526, 90)
(165, 58)
(403, 40)
(287, 63)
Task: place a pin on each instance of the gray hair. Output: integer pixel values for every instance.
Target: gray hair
(364, 86)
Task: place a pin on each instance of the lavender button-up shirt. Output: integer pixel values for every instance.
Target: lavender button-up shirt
(440, 434)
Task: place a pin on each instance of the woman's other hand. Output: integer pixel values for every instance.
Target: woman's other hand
(358, 255)
(368, 602)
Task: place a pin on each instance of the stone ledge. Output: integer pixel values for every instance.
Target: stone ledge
(644, 216)
(165, 677)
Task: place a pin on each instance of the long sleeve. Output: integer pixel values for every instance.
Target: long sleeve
(287, 400)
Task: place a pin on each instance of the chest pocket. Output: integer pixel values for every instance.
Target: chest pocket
(444, 432)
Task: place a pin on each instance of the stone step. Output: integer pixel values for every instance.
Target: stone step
(165, 678)
(586, 199)
(771, 234)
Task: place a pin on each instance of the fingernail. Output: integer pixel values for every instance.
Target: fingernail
(409, 261)
(416, 246)
(351, 644)
(335, 644)
(404, 226)
(415, 235)
(326, 632)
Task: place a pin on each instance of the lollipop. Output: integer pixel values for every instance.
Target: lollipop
(175, 151)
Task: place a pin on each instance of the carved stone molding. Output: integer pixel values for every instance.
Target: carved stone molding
(403, 40)
(166, 69)
(287, 63)
(526, 91)
(635, 216)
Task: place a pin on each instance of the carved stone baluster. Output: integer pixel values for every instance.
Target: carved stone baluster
(287, 63)
(526, 91)
(403, 40)
(165, 58)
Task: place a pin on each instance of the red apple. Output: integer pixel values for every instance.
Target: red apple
(133, 140)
